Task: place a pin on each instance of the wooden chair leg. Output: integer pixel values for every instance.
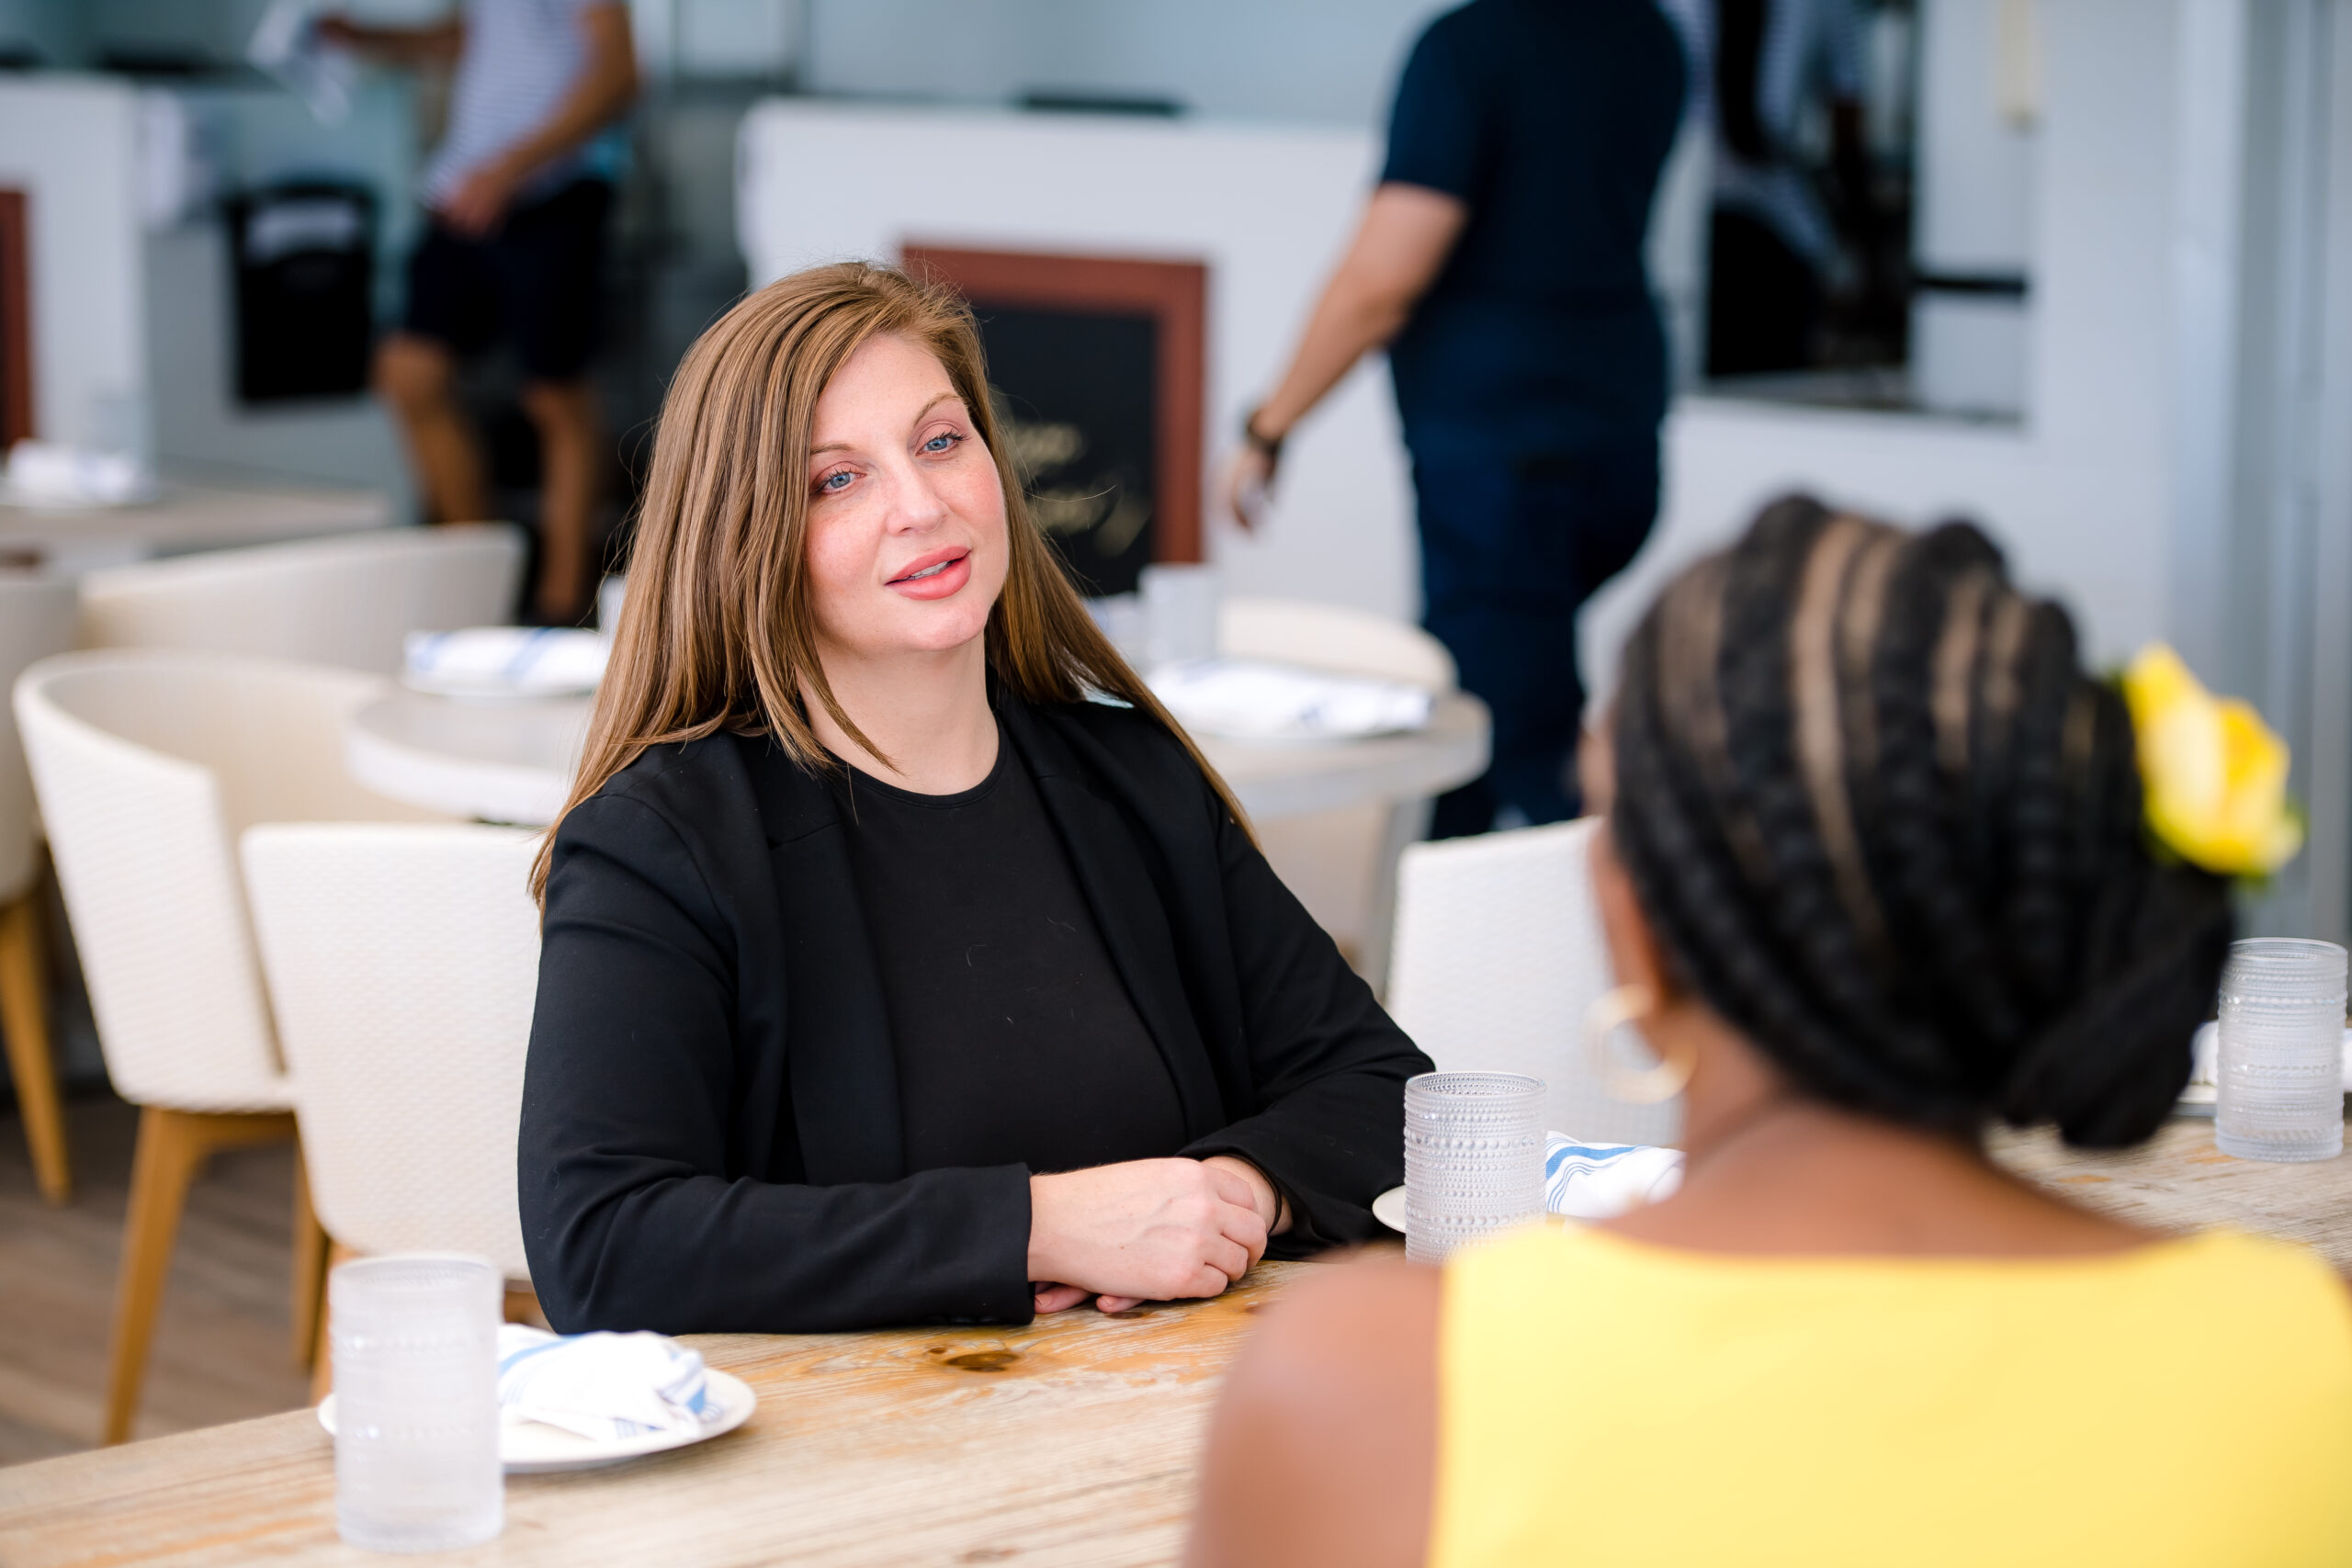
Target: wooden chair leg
(173, 1146)
(522, 1306)
(24, 1027)
(309, 1280)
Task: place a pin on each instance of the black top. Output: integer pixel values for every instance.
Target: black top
(1016, 1042)
(713, 1128)
(1551, 119)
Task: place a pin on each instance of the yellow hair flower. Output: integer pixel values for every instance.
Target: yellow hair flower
(2213, 775)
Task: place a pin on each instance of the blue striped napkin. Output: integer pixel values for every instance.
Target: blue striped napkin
(506, 660)
(1600, 1182)
(606, 1387)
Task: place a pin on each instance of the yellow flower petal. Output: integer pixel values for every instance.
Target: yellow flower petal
(2214, 775)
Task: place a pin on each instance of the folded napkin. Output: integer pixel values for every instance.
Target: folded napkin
(1246, 700)
(48, 473)
(523, 659)
(2205, 1054)
(607, 1387)
(1600, 1182)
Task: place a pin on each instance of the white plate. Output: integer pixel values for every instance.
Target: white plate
(1389, 1209)
(532, 1448)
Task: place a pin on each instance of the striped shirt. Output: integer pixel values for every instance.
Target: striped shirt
(522, 59)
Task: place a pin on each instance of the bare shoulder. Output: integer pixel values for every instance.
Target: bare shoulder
(1324, 1445)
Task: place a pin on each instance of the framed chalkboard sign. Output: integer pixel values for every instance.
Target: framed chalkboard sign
(1096, 364)
(16, 324)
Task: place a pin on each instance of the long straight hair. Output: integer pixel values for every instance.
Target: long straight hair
(717, 631)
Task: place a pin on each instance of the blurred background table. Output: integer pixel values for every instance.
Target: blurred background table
(194, 511)
(500, 762)
(1072, 1440)
(512, 762)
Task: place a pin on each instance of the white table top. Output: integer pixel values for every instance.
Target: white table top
(512, 762)
(192, 513)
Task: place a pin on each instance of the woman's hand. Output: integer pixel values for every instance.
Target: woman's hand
(1143, 1230)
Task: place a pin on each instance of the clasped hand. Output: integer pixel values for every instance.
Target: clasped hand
(1145, 1230)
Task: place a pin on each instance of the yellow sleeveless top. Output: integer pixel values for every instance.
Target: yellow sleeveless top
(1606, 1402)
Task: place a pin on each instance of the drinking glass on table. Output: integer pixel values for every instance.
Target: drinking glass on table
(1474, 1158)
(2280, 1072)
(415, 1345)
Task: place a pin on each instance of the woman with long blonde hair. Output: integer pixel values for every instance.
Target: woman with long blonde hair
(903, 961)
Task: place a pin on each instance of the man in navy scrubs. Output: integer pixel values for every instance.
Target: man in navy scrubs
(1500, 260)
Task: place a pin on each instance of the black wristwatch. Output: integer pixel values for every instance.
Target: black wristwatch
(1270, 445)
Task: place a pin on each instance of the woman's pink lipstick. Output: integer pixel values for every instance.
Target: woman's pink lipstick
(934, 576)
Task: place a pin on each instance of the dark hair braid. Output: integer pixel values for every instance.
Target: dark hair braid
(1884, 823)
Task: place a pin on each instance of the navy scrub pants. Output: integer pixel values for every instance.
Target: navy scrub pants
(1510, 549)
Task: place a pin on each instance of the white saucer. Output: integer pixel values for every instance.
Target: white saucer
(533, 1448)
(1389, 1209)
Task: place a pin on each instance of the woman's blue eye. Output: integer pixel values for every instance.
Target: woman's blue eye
(940, 443)
(828, 481)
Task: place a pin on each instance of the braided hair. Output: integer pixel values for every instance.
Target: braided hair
(1885, 825)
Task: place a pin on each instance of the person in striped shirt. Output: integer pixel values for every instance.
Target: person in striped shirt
(517, 197)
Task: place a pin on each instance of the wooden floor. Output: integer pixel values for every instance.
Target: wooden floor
(221, 1346)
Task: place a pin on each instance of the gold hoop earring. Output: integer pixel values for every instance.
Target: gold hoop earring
(1611, 1011)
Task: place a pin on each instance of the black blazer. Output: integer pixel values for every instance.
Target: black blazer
(710, 1134)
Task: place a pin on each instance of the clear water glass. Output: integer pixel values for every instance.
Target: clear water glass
(415, 1345)
(1474, 1158)
(2281, 1076)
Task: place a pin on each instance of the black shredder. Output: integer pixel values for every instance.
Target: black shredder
(305, 264)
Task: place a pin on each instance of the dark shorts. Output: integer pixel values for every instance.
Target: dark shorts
(538, 281)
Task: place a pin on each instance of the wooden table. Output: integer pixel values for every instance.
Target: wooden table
(195, 511)
(1072, 1441)
(2179, 1181)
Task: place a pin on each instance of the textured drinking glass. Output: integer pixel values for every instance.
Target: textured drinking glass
(415, 1345)
(2281, 1060)
(1474, 1158)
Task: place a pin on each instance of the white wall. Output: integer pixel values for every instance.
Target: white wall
(259, 136)
(347, 440)
(1973, 183)
(1332, 62)
(1267, 209)
(70, 143)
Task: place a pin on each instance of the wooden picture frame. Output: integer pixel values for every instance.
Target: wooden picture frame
(16, 322)
(1174, 294)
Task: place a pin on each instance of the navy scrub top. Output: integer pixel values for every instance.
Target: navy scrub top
(1551, 119)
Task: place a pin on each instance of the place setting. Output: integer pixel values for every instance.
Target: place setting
(435, 1401)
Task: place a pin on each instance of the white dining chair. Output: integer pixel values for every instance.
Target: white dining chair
(1499, 959)
(148, 763)
(1341, 864)
(36, 620)
(348, 600)
(402, 963)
